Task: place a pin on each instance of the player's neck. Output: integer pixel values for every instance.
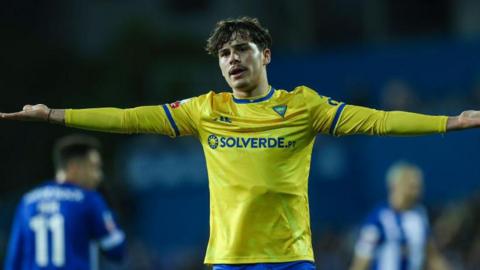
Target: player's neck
(63, 177)
(257, 91)
(399, 206)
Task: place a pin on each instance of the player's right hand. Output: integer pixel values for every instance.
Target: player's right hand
(37, 113)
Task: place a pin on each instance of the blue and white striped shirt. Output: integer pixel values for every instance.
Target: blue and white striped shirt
(394, 240)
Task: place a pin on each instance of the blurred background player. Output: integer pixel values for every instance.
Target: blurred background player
(396, 235)
(58, 224)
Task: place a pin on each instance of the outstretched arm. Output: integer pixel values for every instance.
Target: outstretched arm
(361, 120)
(146, 119)
(467, 119)
(38, 113)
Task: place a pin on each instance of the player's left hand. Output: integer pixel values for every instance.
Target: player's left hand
(39, 112)
(467, 119)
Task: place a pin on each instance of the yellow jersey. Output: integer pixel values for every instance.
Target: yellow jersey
(258, 154)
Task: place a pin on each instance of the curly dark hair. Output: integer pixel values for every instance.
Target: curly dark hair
(248, 28)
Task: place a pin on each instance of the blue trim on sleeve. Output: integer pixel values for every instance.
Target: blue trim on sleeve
(246, 101)
(337, 117)
(170, 119)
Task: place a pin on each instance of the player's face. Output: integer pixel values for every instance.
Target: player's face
(243, 64)
(408, 189)
(91, 171)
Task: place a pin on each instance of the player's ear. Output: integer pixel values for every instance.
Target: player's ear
(267, 56)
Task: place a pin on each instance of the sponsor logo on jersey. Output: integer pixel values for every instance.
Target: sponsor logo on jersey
(224, 119)
(280, 109)
(177, 104)
(215, 142)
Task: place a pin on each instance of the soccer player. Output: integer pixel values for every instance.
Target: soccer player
(60, 224)
(257, 141)
(396, 235)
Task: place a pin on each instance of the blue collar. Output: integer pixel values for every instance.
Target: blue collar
(247, 101)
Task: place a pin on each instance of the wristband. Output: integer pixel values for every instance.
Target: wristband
(48, 117)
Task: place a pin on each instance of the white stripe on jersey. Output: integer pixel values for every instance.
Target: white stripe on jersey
(388, 254)
(94, 255)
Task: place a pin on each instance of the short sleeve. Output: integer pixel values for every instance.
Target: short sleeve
(324, 111)
(102, 223)
(370, 236)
